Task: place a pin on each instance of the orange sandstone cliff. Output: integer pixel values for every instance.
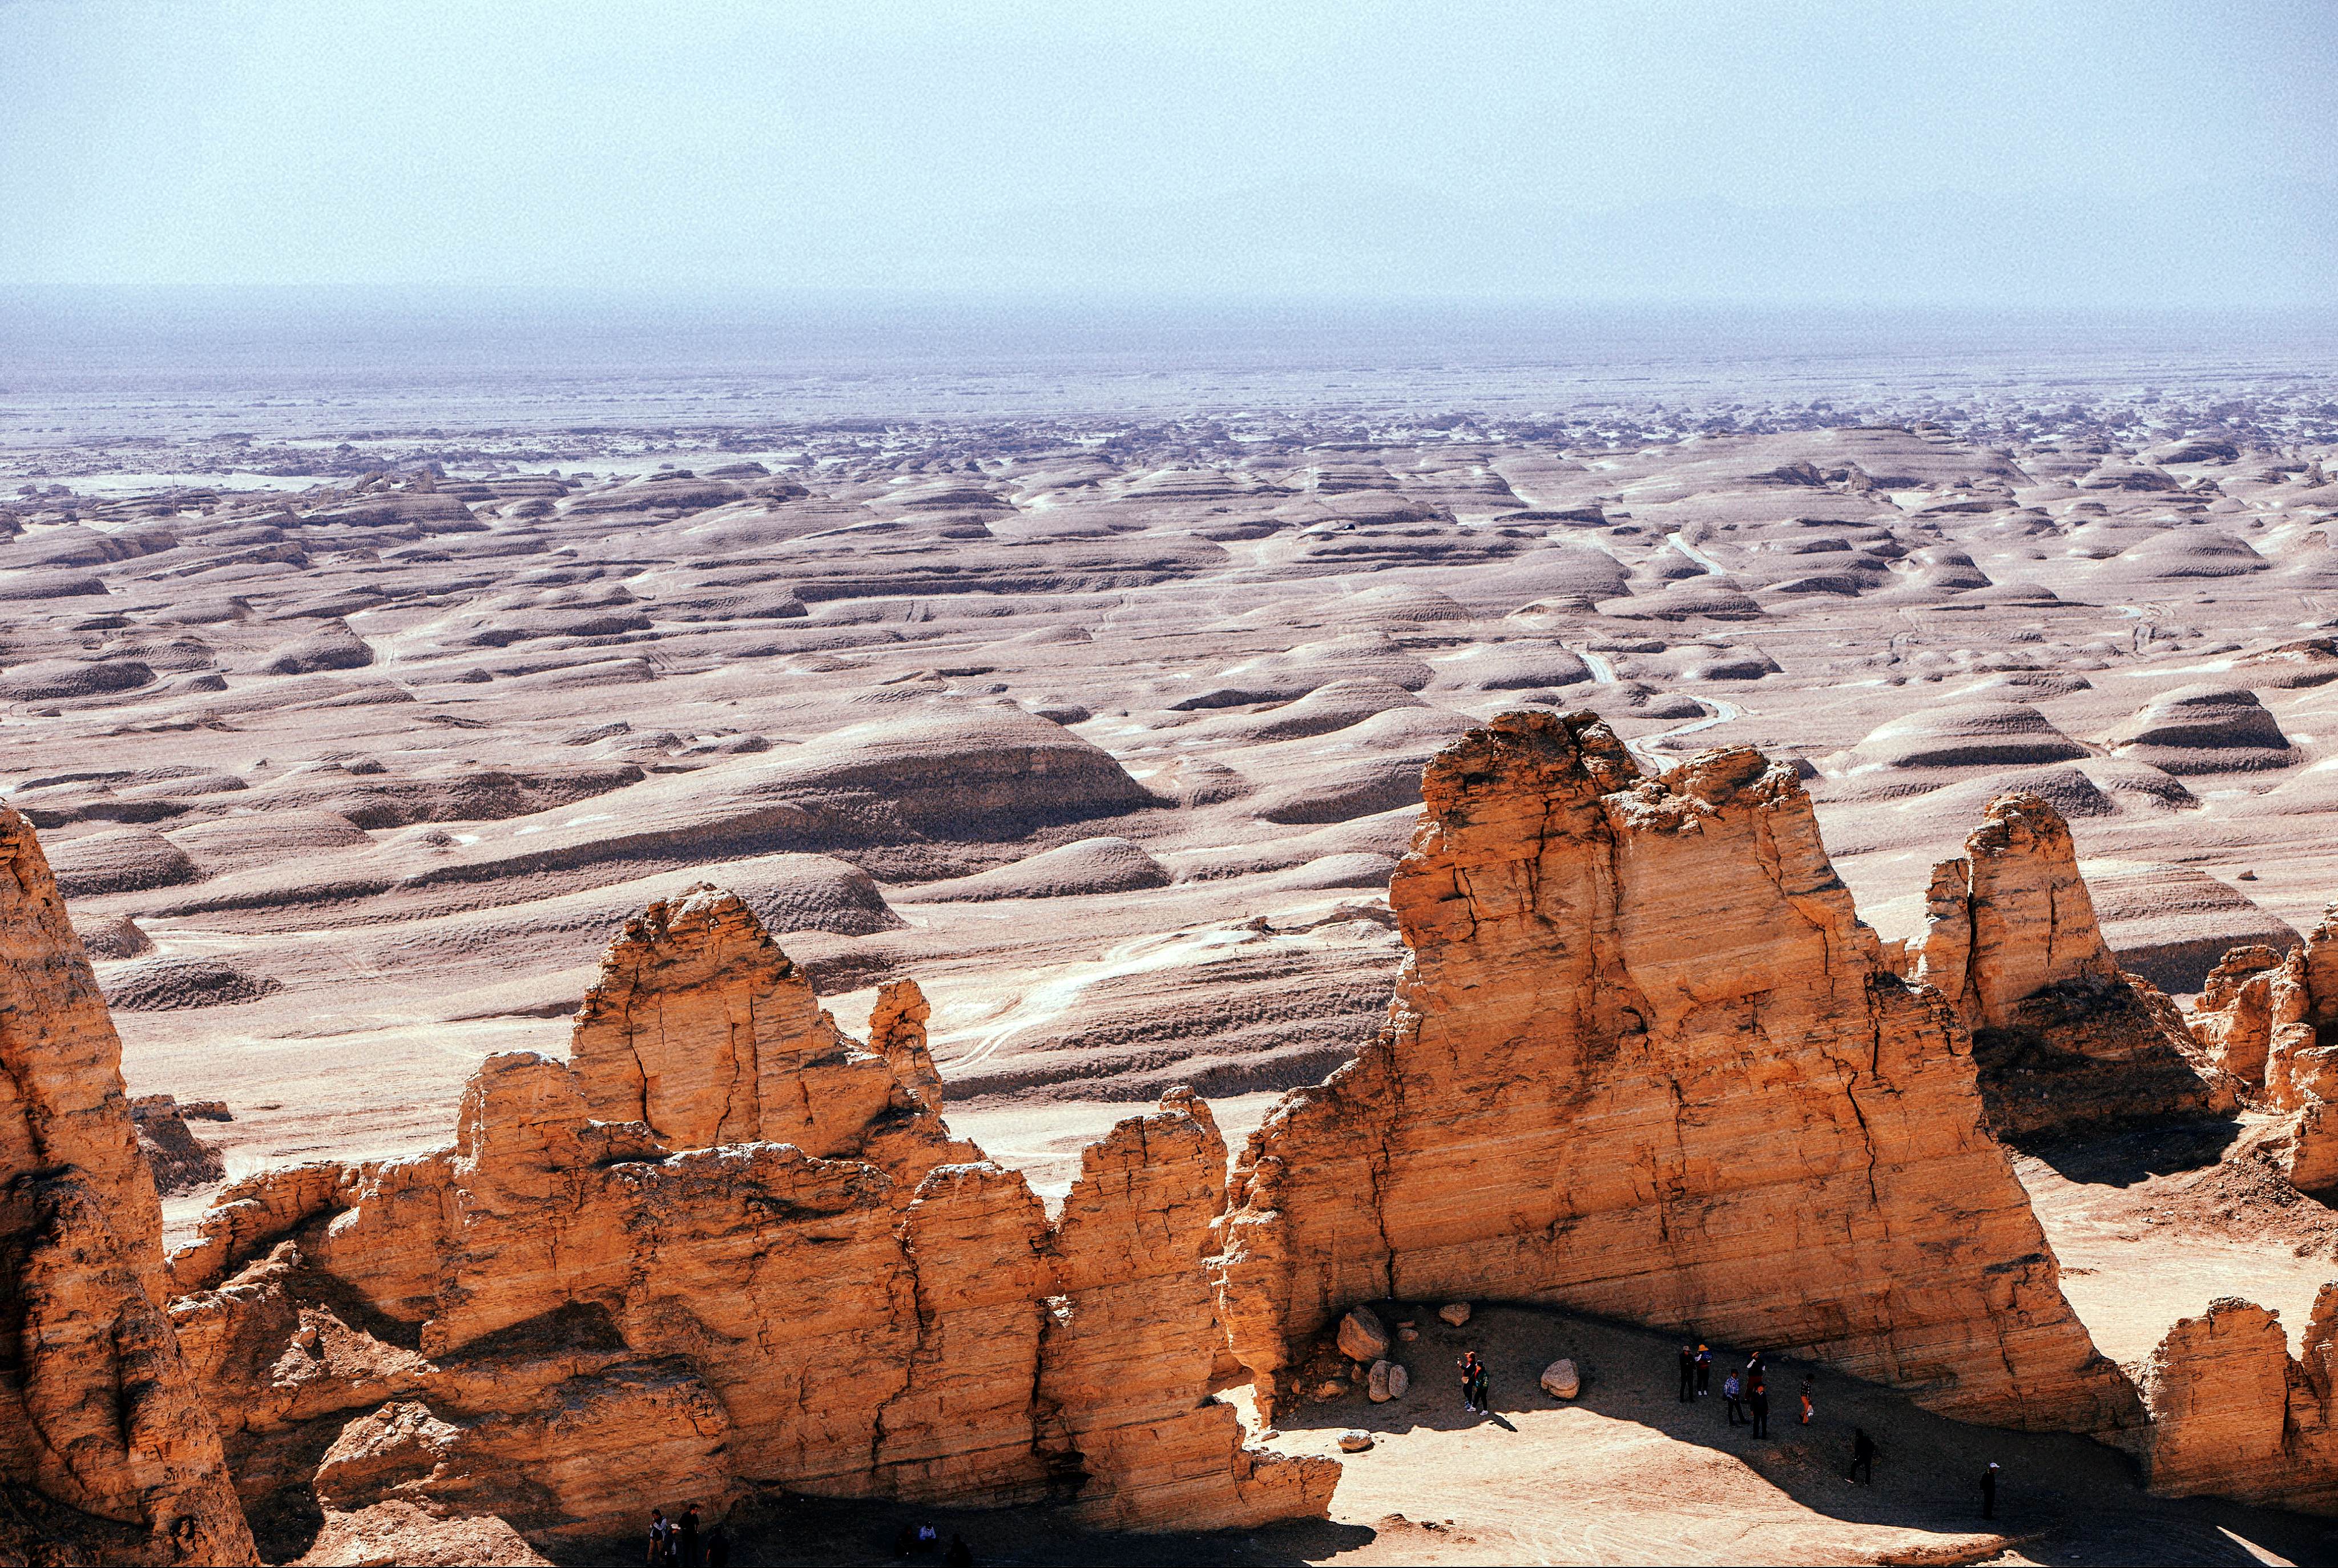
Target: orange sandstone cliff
(107, 1452)
(726, 1247)
(1644, 1061)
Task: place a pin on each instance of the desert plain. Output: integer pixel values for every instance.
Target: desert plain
(352, 750)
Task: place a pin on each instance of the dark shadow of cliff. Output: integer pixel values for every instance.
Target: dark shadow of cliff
(2123, 1155)
(782, 1530)
(2068, 1497)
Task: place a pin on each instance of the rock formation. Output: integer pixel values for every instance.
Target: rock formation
(737, 1249)
(1644, 1061)
(2235, 1415)
(179, 1161)
(2061, 1038)
(2271, 1019)
(106, 1451)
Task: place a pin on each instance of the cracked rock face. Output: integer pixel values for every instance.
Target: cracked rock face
(2061, 1037)
(826, 1292)
(106, 1452)
(2233, 1414)
(1644, 1061)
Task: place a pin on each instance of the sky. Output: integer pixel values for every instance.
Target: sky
(2133, 154)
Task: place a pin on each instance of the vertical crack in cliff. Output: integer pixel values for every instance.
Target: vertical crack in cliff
(626, 1029)
(723, 1131)
(920, 1352)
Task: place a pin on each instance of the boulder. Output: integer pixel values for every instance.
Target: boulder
(1560, 1380)
(1355, 1441)
(1454, 1313)
(1388, 1380)
(1362, 1338)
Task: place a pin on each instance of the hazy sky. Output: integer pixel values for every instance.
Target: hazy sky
(2136, 153)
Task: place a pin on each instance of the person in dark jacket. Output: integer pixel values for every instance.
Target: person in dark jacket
(1688, 1372)
(1988, 1491)
(718, 1546)
(960, 1554)
(690, 1558)
(1471, 1371)
(1761, 1403)
(1482, 1390)
(1863, 1457)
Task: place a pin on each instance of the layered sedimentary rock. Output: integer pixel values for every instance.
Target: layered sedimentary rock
(2233, 1414)
(1133, 1330)
(732, 1248)
(2271, 1019)
(2061, 1038)
(1644, 1061)
(106, 1451)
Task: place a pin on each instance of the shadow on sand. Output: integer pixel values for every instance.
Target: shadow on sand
(2137, 1153)
(2068, 1497)
(779, 1529)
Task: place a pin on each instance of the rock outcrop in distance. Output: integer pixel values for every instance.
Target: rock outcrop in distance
(726, 1246)
(1644, 1061)
(2271, 1019)
(106, 1451)
(2061, 1038)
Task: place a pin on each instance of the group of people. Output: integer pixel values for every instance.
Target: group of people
(675, 1542)
(1747, 1396)
(1746, 1393)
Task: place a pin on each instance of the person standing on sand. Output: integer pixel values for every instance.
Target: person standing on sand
(960, 1554)
(657, 1538)
(1482, 1389)
(1988, 1491)
(1688, 1372)
(1807, 1409)
(1470, 1370)
(690, 1536)
(1733, 1393)
(1703, 1372)
(1863, 1457)
(1754, 1369)
(1761, 1408)
(718, 1546)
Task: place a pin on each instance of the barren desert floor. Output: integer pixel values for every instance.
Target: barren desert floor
(352, 749)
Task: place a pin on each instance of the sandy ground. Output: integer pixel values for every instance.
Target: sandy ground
(1628, 1473)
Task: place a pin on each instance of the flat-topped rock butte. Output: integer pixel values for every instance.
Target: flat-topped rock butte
(924, 971)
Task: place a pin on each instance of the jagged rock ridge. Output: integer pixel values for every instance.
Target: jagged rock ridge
(740, 1250)
(1644, 1061)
